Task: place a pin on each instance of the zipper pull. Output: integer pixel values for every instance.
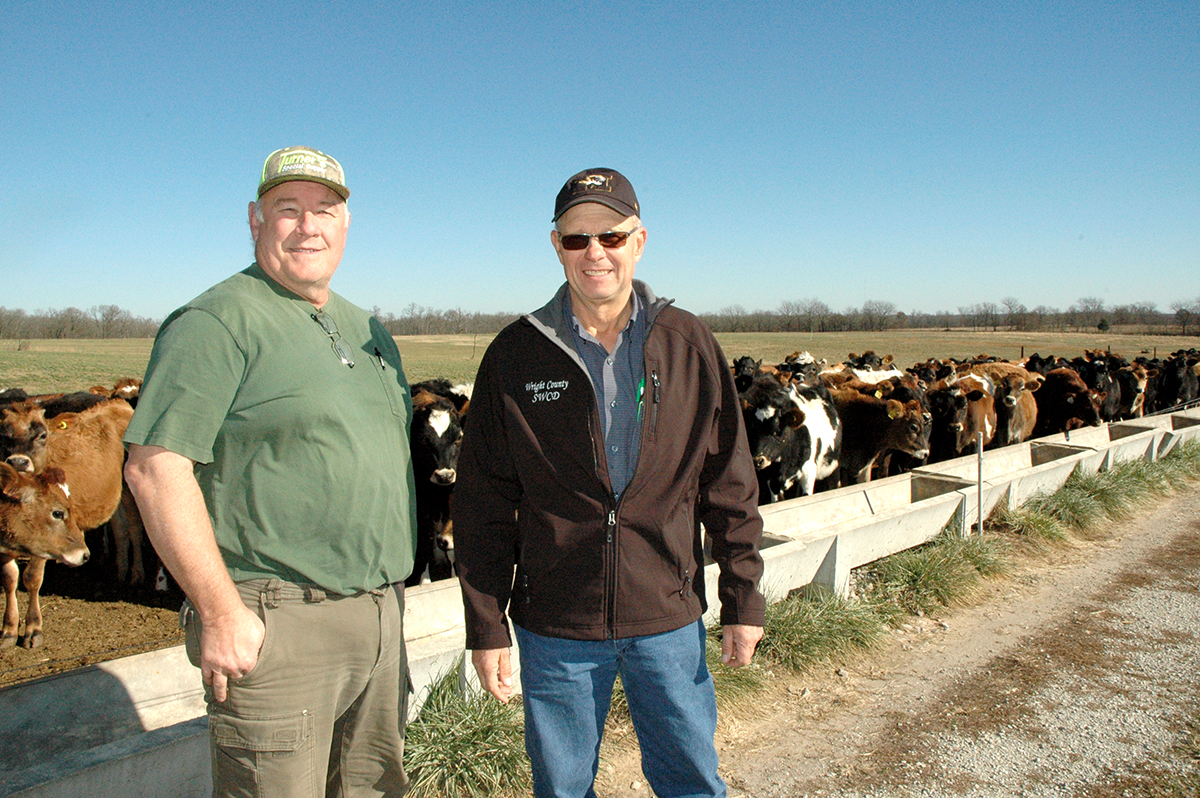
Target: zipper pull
(612, 523)
(382, 365)
(657, 386)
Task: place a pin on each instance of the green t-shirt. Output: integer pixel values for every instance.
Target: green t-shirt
(303, 461)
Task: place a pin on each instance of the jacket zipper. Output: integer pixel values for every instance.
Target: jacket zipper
(610, 538)
(657, 399)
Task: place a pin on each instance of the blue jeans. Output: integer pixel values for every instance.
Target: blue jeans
(567, 687)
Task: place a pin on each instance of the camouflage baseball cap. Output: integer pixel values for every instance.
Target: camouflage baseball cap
(302, 163)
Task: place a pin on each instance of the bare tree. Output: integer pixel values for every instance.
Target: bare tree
(1090, 310)
(1014, 313)
(1185, 314)
(815, 313)
(877, 315)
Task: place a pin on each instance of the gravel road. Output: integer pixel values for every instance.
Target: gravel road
(1077, 675)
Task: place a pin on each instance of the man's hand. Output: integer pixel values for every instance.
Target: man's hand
(738, 642)
(495, 672)
(229, 648)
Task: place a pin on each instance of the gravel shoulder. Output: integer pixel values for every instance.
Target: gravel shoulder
(1075, 675)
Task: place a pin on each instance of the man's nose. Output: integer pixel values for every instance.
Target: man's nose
(308, 224)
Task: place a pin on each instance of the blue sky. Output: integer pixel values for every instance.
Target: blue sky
(932, 155)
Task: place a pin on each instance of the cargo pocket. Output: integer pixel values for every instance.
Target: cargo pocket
(263, 756)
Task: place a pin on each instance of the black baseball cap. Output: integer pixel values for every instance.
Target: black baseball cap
(605, 186)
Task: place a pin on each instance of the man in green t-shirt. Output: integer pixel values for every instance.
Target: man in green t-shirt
(269, 458)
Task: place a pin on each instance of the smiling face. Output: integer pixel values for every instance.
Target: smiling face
(600, 279)
(301, 237)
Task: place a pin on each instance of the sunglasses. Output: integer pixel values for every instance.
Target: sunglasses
(340, 347)
(610, 240)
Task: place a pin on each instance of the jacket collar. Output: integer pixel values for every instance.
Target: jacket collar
(550, 318)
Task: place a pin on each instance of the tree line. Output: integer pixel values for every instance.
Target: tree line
(806, 315)
(101, 321)
(1089, 313)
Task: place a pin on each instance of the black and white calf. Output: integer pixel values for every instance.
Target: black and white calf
(439, 411)
(795, 437)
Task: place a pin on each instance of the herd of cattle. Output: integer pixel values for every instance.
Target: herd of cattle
(814, 426)
(811, 426)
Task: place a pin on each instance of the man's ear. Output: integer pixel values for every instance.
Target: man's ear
(253, 223)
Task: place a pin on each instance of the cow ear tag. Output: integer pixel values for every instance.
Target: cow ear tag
(62, 425)
(894, 414)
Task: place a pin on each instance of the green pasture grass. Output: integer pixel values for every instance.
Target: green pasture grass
(50, 366)
(452, 357)
(46, 366)
(915, 346)
(42, 366)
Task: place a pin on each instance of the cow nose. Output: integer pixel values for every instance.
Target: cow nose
(443, 476)
(20, 462)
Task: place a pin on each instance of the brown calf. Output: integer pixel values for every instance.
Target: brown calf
(35, 522)
(1016, 408)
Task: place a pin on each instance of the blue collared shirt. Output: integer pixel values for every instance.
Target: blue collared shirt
(618, 378)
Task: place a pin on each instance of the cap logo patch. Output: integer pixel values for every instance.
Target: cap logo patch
(596, 183)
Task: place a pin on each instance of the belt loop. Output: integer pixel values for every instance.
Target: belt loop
(313, 594)
(270, 593)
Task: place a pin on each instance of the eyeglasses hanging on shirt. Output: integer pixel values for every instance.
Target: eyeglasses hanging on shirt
(340, 348)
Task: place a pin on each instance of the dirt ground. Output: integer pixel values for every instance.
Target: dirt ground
(1028, 691)
(1040, 687)
(88, 618)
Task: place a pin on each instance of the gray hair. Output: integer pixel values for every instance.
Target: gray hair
(637, 223)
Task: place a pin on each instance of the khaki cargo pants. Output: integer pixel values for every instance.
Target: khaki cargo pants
(323, 711)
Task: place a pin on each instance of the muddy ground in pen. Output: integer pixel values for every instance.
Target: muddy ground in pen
(1076, 675)
(87, 617)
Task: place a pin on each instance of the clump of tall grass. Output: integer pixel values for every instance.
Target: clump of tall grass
(1031, 523)
(814, 626)
(1085, 501)
(944, 572)
(466, 743)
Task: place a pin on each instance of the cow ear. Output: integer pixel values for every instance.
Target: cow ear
(10, 483)
(894, 409)
(794, 418)
(61, 422)
(53, 475)
(423, 399)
